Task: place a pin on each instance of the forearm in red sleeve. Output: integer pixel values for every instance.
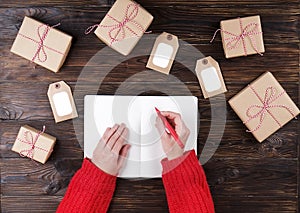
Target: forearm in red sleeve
(90, 190)
(186, 186)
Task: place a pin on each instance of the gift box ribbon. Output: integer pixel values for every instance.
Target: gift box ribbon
(117, 32)
(42, 33)
(260, 111)
(235, 40)
(31, 142)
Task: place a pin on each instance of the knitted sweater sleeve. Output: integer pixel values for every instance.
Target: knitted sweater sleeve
(185, 184)
(90, 190)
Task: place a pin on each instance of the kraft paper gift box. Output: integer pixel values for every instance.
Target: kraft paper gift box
(123, 26)
(242, 36)
(42, 44)
(34, 144)
(264, 106)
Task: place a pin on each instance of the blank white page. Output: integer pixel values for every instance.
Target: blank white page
(151, 149)
(104, 111)
(138, 113)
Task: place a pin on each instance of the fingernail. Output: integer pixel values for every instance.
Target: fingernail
(128, 146)
(128, 152)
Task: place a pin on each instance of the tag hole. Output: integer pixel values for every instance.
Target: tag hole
(204, 61)
(57, 86)
(169, 37)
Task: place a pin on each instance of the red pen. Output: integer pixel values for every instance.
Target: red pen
(169, 129)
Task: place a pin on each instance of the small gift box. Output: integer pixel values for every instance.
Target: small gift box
(124, 25)
(242, 36)
(34, 144)
(42, 44)
(264, 106)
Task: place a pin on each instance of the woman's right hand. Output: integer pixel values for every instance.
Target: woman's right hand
(170, 146)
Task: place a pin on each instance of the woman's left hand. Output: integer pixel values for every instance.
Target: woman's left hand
(111, 151)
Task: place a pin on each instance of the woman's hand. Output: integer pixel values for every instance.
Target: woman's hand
(170, 146)
(111, 151)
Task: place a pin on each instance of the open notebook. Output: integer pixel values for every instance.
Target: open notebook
(138, 113)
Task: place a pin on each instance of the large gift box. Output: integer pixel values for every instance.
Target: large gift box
(124, 25)
(34, 144)
(42, 44)
(242, 36)
(264, 106)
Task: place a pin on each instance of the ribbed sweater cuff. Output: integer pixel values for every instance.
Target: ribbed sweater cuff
(90, 190)
(189, 159)
(185, 184)
(96, 177)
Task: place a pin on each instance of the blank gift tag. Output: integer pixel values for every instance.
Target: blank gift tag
(163, 53)
(61, 101)
(210, 77)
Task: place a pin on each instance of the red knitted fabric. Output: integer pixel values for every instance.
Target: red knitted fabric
(186, 186)
(91, 189)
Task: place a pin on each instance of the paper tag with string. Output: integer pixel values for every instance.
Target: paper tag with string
(163, 53)
(210, 77)
(61, 101)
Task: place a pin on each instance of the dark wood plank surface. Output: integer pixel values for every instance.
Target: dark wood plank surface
(243, 174)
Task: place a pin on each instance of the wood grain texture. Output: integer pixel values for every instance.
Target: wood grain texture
(252, 65)
(243, 174)
(239, 178)
(282, 144)
(227, 178)
(206, 19)
(261, 204)
(18, 104)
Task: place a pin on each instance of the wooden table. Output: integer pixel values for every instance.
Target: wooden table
(244, 175)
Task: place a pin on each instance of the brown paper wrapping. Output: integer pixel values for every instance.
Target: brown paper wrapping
(167, 39)
(43, 146)
(233, 28)
(51, 54)
(205, 64)
(247, 98)
(125, 32)
(62, 88)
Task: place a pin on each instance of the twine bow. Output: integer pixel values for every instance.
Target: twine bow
(235, 40)
(260, 111)
(31, 142)
(42, 33)
(117, 31)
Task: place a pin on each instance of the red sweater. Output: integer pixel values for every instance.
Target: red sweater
(91, 189)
